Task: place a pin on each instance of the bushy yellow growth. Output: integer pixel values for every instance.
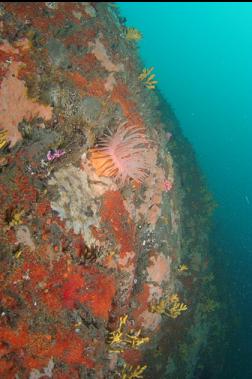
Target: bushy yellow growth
(147, 78)
(16, 219)
(182, 268)
(175, 307)
(129, 372)
(210, 306)
(3, 139)
(116, 337)
(159, 308)
(208, 278)
(145, 73)
(133, 34)
(134, 339)
(119, 339)
(170, 307)
(18, 254)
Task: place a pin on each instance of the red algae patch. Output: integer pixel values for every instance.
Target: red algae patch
(71, 353)
(7, 48)
(121, 95)
(92, 288)
(79, 80)
(132, 356)
(101, 291)
(114, 212)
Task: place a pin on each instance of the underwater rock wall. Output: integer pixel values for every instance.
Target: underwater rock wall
(104, 215)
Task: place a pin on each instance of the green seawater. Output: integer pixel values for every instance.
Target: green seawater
(202, 54)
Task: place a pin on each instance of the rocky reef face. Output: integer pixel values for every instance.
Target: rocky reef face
(104, 216)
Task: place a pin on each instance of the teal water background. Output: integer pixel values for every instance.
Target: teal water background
(202, 53)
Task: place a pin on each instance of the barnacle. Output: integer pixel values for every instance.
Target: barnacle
(122, 155)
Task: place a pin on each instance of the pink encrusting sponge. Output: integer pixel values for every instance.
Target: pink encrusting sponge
(123, 154)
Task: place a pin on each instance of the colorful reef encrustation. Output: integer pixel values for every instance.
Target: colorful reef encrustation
(104, 219)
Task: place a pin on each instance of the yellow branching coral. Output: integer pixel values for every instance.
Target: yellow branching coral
(135, 340)
(118, 339)
(147, 78)
(159, 308)
(208, 278)
(3, 139)
(146, 72)
(182, 268)
(18, 254)
(175, 308)
(170, 307)
(210, 306)
(129, 372)
(16, 219)
(133, 34)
